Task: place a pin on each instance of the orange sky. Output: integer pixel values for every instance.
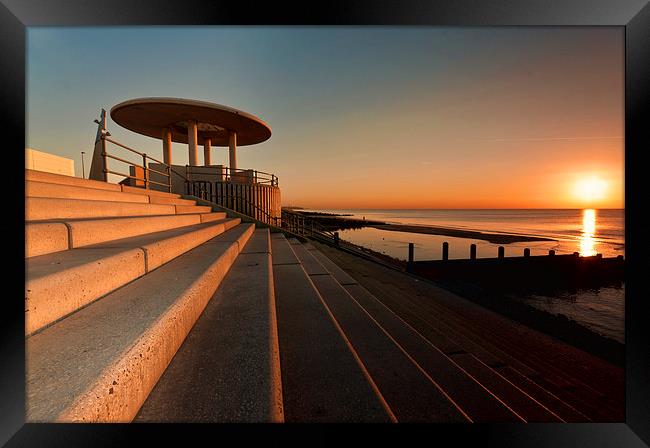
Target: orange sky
(364, 117)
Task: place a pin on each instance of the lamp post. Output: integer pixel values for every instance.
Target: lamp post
(83, 170)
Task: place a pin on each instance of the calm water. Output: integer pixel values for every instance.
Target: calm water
(585, 231)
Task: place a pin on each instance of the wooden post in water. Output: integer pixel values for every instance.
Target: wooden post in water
(526, 252)
(502, 252)
(409, 266)
(445, 251)
(336, 238)
(551, 253)
(472, 251)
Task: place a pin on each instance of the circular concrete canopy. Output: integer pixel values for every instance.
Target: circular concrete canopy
(150, 116)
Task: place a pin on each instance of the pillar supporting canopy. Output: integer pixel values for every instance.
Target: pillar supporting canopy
(167, 145)
(207, 148)
(232, 144)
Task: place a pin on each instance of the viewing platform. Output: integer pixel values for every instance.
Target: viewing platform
(175, 120)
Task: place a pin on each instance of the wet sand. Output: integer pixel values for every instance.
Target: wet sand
(496, 238)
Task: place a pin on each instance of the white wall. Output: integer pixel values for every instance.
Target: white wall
(43, 161)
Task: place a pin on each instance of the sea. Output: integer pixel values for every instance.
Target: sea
(587, 231)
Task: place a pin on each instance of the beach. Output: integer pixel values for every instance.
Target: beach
(496, 238)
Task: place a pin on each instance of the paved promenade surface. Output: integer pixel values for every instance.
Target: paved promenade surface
(572, 384)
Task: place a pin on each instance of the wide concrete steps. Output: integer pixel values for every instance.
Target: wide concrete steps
(60, 283)
(99, 363)
(40, 209)
(36, 189)
(323, 378)
(58, 179)
(228, 368)
(57, 235)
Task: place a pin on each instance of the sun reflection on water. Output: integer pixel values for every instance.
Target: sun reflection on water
(587, 242)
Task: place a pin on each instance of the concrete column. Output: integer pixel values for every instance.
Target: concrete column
(167, 146)
(232, 143)
(192, 141)
(207, 150)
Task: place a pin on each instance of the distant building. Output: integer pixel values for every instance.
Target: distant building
(42, 161)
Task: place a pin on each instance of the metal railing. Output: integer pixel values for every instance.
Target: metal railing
(145, 179)
(146, 170)
(305, 226)
(237, 175)
(309, 228)
(204, 190)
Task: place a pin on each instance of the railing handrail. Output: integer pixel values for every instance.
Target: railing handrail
(133, 150)
(273, 180)
(228, 173)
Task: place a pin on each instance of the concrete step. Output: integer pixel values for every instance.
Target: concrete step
(148, 192)
(153, 199)
(228, 368)
(48, 237)
(40, 176)
(52, 208)
(322, 379)
(409, 390)
(35, 189)
(100, 363)
(184, 209)
(45, 238)
(60, 283)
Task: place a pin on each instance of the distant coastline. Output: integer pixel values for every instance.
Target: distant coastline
(337, 221)
(495, 238)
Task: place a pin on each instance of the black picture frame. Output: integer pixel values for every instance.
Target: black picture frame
(633, 15)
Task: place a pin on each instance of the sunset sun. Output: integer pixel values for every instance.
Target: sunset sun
(590, 189)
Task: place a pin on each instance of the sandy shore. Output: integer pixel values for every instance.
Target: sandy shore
(496, 238)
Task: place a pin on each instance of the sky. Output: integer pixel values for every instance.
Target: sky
(362, 117)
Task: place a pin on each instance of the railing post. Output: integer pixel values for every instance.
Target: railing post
(146, 171)
(472, 252)
(445, 251)
(169, 178)
(104, 157)
(409, 265)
